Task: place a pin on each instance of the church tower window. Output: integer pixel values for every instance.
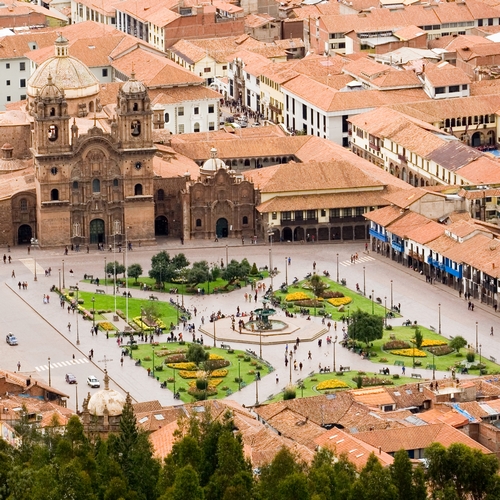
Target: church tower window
(136, 128)
(138, 190)
(53, 133)
(54, 195)
(96, 186)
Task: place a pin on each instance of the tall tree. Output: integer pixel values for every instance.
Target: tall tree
(134, 271)
(366, 327)
(115, 268)
(374, 482)
(402, 476)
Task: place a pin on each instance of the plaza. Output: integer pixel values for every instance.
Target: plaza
(42, 329)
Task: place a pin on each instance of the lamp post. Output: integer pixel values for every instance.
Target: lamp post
(76, 395)
(392, 302)
(439, 319)
(291, 357)
(105, 276)
(77, 314)
(153, 347)
(215, 334)
(239, 374)
(177, 308)
(476, 337)
(227, 260)
(64, 284)
(433, 367)
(256, 389)
(260, 343)
(385, 311)
(270, 233)
(373, 301)
(337, 268)
(480, 359)
(174, 380)
(334, 346)
(142, 324)
(286, 272)
(50, 380)
(59, 280)
(364, 281)
(93, 312)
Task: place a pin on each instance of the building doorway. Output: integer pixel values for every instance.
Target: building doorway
(24, 234)
(161, 226)
(221, 228)
(97, 231)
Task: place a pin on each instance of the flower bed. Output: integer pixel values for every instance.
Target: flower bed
(309, 303)
(106, 326)
(372, 381)
(340, 301)
(175, 358)
(188, 373)
(440, 350)
(219, 373)
(182, 366)
(432, 343)
(328, 294)
(292, 297)
(144, 326)
(215, 356)
(417, 353)
(396, 344)
(202, 394)
(331, 384)
(212, 383)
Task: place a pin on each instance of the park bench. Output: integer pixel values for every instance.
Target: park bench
(433, 328)
(100, 290)
(88, 277)
(493, 359)
(253, 353)
(407, 323)
(225, 346)
(153, 297)
(346, 368)
(73, 288)
(173, 290)
(416, 375)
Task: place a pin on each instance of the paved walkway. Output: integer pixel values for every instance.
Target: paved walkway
(416, 298)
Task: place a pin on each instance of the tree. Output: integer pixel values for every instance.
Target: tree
(402, 476)
(199, 273)
(151, 312)
(374, 482)
(115, 268)
(196, 354)
(458, 343)
(186, 486)
(366, 327)
(419, 338)
(318, 285)
(180, 261)
(161, 268)
(134, 271)
(236, 270)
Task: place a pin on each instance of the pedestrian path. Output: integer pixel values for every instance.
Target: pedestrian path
(363, 258)
(30, 264)
(62, 364)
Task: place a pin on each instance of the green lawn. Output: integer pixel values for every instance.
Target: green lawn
(106, 303)
(240, 363)
(358, 301)
(308, 387)
(442, 363)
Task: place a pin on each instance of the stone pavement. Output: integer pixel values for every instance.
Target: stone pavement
(416, 302)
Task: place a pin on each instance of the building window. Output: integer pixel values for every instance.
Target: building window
(224, 67)
(8, 98)
(96, 186)
(454, 88)
(334, 213)
(206, 70)
(311, 214)
(347, 212)
(160, 195)
(360, 211)
(23, 97)
(138, 190)
(22, 66)
(181, 128)
(23, 204)
(299, 215)
(196, 127)
(115, 183)
(211, 125)
(135, 127)
(54, 195)
(211, 108)
(7, 82)
(22, 83)
(105, 72)
(245, 220)
(198, 222)
(440, 90)
(167, 117)
(274, 215)
(7, 66)
(323, 212)
(180, 111)
(286, 215)
(75, 184)
(196, 110)
(53, 133)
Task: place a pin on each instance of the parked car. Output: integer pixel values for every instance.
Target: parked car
(11, 339)
(70, 378)
(93, 381)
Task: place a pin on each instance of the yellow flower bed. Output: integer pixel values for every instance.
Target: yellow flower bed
(432, 343)
(410, 353)
(216, 356)
(219, 373)
(331, 384)
(292, 297)
(107, 326)
(188, 373)
(182, 366)
(340, 301)
(211, 383)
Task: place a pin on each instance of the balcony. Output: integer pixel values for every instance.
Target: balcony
(374, 146)
(398, 246)
(352, 218)
(298, 222)
(379, 236)
(403, 159)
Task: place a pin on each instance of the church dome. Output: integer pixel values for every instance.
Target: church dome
(212, 164)
(133, 86)
(66, 73)
(107, 399)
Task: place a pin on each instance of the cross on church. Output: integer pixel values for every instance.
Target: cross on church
(105, 361)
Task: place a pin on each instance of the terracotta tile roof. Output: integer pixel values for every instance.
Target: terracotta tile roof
(478, 50)
(445, 74)
(320, 201)
(426, 233)
(108, 7)
(163, 439)
(384, 216)
(483, 170)
(290, 43)
(407, 395)
(373, 397)
(169, 166)
(454, 155)
(16, 182)
(444, 415)
(418, 438)
(158, 13)
(146, 406)
(410, 221)
(451, 43)
(409, 33)
(257, 20)
(405, 199)
(19, 44)
(182, 94)
(357, 452)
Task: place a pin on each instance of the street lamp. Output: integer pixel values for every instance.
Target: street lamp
(364, 281)
(50, 380)
(105, 276)
(177, 307)
(153, 359)
(286, 272)
(215, 335)
(93, 312)
(35, 278)
(337, 268)
(77, 314)
(59, 280)
(480, 358)
(334, 346)
(76, 395)
(439, 319)
(270, 233)
(392, 302)
(476, 337)
(373, 301)
(142, 324)
(385, 311)
(291, 357)
(64, 285)
(239, 374)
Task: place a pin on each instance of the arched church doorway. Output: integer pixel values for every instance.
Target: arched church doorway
(24, 234)
(476, 139)
(97, 231)
(221, 228)
(161, 226)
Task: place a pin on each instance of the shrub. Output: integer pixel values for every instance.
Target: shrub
(396, 344)
(373, 354)
(395, 376)
(459, 355)
(201, 384)
(314, 379)
(182, 366)
(147, 358)
(238, 380)
(388, 327)
(471, 357)
(247, 359)
(383, 360)
(215, 356)
(230, 351)
(159, 368)
(418, 362)
(371, 381)
(331, 384)
(359, 381)
(339, 374)
(289, 393)
(432, 343)
(219, 373)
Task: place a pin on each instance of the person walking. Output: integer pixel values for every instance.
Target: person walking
(69, 327)
(19, 366)
(277, 379)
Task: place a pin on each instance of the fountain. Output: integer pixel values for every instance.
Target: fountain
(263, 323)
